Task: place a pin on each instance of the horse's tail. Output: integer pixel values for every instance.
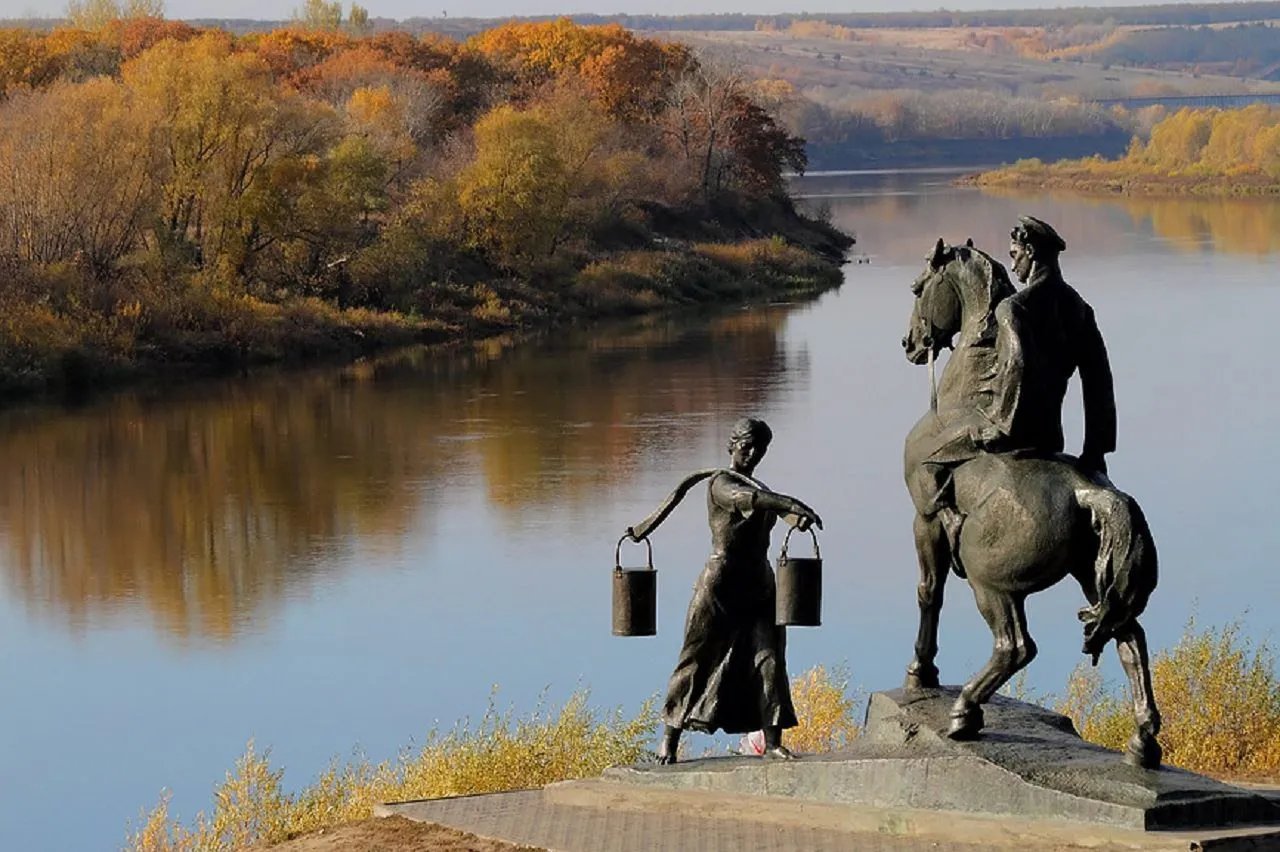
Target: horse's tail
(1125, 569)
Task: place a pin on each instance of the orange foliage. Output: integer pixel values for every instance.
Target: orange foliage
(134, 35)
(82, 54)
(431, 52)
(287, 52)
(25, 60)
(627, 74)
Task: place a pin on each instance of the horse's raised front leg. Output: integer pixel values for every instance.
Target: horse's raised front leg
(1014, 649)
(1144, 750)
(934, 556)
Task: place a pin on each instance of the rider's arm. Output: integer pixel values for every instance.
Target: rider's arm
(1007, 386)
(1096, 388)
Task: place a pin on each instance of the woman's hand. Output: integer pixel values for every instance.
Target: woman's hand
(807, 517)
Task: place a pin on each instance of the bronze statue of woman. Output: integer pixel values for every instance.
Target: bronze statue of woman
(732, 671)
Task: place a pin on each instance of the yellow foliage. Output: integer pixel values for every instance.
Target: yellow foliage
(821, 30)
(824, 709)
(497, 754)
(1187, 152)
(1220, 698)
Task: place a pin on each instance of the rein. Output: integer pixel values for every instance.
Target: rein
(933, 381)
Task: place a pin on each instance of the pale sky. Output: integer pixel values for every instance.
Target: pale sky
(400, 9)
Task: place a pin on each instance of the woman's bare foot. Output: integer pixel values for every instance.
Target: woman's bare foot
(668, 751)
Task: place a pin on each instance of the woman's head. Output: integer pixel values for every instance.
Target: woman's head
(748, 442)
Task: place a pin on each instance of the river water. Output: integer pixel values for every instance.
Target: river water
(345, 558)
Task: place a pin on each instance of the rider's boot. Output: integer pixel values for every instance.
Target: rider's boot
(944, 509)
(952, 521)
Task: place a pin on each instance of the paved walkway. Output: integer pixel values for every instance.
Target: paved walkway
(528, 817)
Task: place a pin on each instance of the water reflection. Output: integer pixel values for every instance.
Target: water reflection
(1231, 225)
(209, 509)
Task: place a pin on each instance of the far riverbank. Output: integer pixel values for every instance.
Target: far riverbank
(1207, 152)
(1101, 177)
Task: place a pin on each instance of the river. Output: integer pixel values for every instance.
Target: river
(348, 557)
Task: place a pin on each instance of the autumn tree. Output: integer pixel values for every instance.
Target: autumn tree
(83, 54)
(79, 175)
(288, 53)
(409, 112)
(134, 35)
(629, 75)
(242, 152)
(358, 19)
(327, 15)
(96, 14)
(319, 14)
(543, 177)
(1179, 140)
(25, 60)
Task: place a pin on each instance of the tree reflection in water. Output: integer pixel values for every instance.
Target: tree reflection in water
(208, 506)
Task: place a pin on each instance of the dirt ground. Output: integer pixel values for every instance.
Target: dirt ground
(394, 834)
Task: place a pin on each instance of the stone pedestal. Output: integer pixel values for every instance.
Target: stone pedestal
(1028, 763)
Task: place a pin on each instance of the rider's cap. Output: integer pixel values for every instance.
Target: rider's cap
(1038, 234)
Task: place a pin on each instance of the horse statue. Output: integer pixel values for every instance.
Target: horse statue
(1030, 520)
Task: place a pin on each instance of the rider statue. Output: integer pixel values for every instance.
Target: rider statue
(1044, 333)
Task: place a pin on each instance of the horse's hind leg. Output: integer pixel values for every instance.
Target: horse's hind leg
(934, 556)
(1131, 645)
(1143, 750)
(1014, 649)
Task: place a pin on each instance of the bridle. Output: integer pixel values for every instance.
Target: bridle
(926, 337)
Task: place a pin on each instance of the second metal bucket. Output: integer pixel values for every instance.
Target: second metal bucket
(799, 580)
(635, 596)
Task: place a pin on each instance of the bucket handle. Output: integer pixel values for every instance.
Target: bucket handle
(617, 551)
(817, 554)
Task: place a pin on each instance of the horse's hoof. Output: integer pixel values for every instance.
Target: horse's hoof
(1143, 752)
(965, 724)
(666, 759)
(921, 677)
(779, 752)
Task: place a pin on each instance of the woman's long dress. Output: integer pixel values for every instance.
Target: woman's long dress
(732, 671)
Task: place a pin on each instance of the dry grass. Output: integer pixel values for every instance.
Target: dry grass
(499, 753)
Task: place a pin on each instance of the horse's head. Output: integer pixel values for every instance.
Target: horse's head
(957, 292)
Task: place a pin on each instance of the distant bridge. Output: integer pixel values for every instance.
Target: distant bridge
(1194, 101)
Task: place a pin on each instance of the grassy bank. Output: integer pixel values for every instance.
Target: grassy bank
(1218, 692)
(54, 338)
(1208, 152)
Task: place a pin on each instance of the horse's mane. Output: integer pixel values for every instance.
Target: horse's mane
(993, 274)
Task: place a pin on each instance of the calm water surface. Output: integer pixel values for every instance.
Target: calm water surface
(345, 558)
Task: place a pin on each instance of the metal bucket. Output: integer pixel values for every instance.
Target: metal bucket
(799, 581)
(635, 596)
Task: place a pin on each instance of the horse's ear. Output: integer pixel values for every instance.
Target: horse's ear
(969, 242)
(939, 254)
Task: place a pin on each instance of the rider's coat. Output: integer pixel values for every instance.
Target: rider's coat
(1045, 332)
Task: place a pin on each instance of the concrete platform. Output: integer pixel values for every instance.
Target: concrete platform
(1029, 784)
(596, 816)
